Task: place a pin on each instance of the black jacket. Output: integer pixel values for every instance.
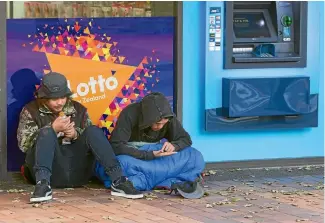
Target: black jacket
(134, 124)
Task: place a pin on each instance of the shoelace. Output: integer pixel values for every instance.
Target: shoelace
(130, 186)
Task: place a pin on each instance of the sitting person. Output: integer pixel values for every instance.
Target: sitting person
(50, 162)
(136, 140)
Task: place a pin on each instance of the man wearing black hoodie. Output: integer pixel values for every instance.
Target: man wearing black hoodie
(149, 121)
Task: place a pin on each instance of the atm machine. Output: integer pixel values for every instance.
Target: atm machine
(258, 35)
(266, 34)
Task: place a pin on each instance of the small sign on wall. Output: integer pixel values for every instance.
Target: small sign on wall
(215, 29)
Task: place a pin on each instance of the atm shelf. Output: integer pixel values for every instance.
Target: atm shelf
(249, 58)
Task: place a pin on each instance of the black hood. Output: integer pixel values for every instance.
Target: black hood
(154, 107)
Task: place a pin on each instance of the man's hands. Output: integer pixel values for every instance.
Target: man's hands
(166, 150)
(168, 147)
(160, 153)
(63, 124)
(70, 132)
(60, 124)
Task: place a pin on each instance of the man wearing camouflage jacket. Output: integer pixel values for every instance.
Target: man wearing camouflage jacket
(41, 132)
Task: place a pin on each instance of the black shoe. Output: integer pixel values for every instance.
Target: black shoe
(122, 187)
(42, 192)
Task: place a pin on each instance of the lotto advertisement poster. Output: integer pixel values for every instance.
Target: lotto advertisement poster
(108, 62)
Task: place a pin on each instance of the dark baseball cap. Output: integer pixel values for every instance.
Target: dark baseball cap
(53, 85)
(188, 189)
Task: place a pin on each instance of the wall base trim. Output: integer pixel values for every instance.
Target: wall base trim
(248, 164)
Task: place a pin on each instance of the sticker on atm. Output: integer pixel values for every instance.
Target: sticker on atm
(214, 10)
(211, 20)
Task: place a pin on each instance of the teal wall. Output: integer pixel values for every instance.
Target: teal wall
(202, 73)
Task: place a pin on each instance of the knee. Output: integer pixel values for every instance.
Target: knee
(198, 155)
(46, 133)
(200, 162)
(93, 130)
(194, 151)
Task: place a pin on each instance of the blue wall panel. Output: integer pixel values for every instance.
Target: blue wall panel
(203, 72)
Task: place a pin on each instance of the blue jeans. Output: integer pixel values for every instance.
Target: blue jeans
(71, 165)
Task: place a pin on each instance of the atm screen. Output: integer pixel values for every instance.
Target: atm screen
(250, 25)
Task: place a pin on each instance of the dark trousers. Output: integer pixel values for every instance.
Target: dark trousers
(71, 165)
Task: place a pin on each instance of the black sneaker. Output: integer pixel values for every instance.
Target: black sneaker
(122, 187)
(42, 192)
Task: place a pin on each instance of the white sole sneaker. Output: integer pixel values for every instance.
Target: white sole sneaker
(130, 196)
(47, 197)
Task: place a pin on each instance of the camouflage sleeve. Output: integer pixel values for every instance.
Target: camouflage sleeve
(27, 131)
(86, 122)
